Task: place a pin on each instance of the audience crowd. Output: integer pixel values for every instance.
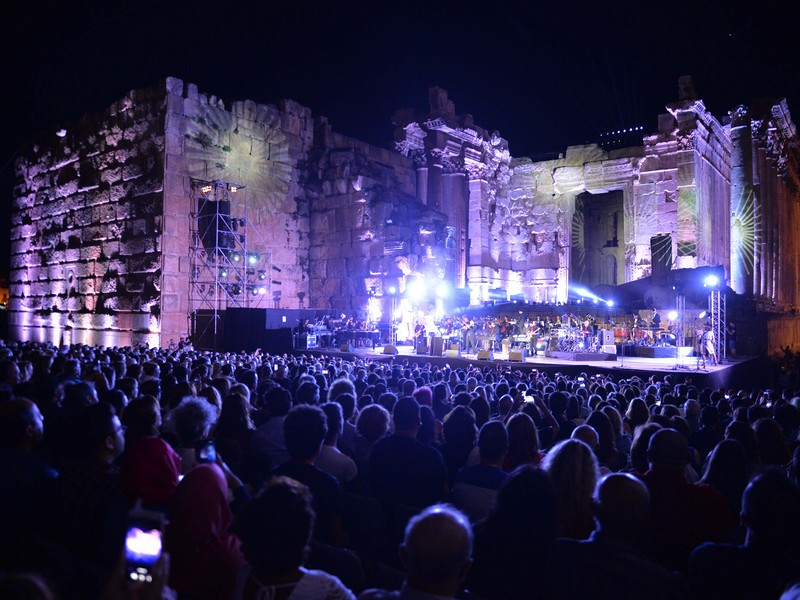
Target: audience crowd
(319, 477)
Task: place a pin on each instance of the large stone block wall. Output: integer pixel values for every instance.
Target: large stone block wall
(86, 229)
(366, 222)
(258, 146)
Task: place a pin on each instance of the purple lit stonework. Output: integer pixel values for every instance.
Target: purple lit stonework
(106, 246)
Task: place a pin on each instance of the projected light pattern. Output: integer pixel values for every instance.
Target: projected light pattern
(744, 230)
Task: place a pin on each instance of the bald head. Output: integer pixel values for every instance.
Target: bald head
(668, 449)
(621, 505)
(437, 550)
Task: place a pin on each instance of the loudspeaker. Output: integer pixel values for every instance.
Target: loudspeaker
(214, 225)
(605, 337)
(609, 348)
(389, 349)
(455, 346)
(437, 346)
(453, 353)
(516, 356)
(422, 348)
(485, 355)
(346, 347)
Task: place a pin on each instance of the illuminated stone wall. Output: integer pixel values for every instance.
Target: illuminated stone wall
(102, 233)
(86, 229)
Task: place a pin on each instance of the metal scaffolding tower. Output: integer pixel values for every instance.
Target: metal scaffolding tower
(229, 261)
(716, 310)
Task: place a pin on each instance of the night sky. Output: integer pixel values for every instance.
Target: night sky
(544, 75)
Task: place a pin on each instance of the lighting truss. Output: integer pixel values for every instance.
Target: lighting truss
(228, 256)
(717, 308)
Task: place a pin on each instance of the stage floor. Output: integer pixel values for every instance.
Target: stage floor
(683, 368)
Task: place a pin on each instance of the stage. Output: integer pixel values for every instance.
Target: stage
(741, 372)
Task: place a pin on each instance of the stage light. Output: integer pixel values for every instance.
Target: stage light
(223, 272)
(711, 281)
(236, 290)
(391, 290)
(442, 290)
(262, 290)
(702, 315)
(262, 274)
(253, 258)
(610, 303)
(672, 315)
(416, 287)
(206, 189)
(233, 189)
(236, 257)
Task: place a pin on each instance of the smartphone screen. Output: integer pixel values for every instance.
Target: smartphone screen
(143, 544)
(206, 452)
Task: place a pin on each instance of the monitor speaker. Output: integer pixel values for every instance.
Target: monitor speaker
(437, 346)
(485, 355)
(389, 349)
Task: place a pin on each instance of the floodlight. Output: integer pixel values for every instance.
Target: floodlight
(416, 287)
(391, 290)
(711, 281)
(702, 315)
(442, 290)
(672, 315)
(610, 303)
(236, 257)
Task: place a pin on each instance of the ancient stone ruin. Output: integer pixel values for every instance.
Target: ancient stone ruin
(108, 242)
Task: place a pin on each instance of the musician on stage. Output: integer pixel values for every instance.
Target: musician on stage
(419, 336)
(707, 346)
(655, 320)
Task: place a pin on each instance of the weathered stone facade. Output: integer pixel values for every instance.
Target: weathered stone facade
(103, 228)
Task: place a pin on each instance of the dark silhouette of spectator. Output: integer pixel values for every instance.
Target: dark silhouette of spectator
(403, 470)
(523, 443)
(728, 471)
(372, 425)
(436, 553)
(572, 466)
(684, 514)
(330, 458)
(233, 432)
(770, 444)
(25, 477)
(559, 401)
(460, 435)
(641, 440)
(191, 421)
(710, 433)
(304, 430)
(512, 543)
(609, 564)
(204, 555)
(268, 439)
(769, 560)
(275, 528)
(476, 487)
(86, 510)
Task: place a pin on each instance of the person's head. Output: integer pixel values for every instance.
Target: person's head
(526, 504)
(278, 401)
(668, 450)
(348, 404)
(573, 468)
(275, 527)
(142, 417)
(21, 424)
(641, 440)
(771, 443)
(334, 421)
(523, 439)
(130, 386)
(459, 427)
(101, 433)
(437, 550)
(587, 434)
(307, 393)
(193, 419)
(343, 385)
(304, 430)
(234, 416)
(373, 422)
(621, 506)
(493, 442)
(79, 395)
(406, 417)
(771, 512)
(637, 412)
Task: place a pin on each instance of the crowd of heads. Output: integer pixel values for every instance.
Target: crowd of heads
(477, 474)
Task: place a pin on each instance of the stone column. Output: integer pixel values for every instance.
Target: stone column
(741, 203)
(422, 184)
